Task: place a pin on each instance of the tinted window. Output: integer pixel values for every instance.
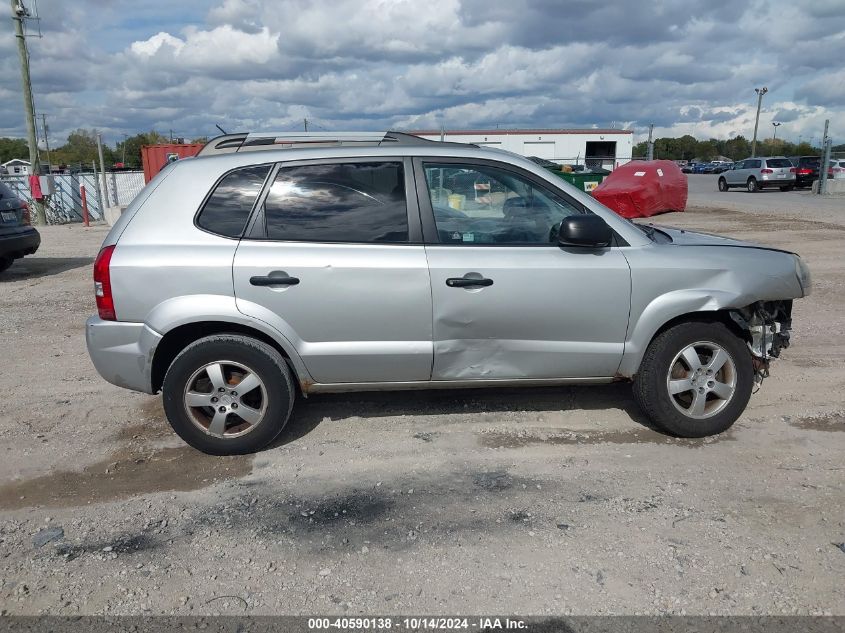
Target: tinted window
(778, 162)
(477, 204)
(227, 209)
(345, 202)
(752, 164)
(809, 161)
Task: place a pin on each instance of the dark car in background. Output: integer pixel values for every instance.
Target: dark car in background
(17, 237)
(806, 169)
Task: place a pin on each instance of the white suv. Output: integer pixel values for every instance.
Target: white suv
(755, 174)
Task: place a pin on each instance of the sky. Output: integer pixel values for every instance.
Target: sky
(688, 67)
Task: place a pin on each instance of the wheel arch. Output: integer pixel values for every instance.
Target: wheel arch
(178, 338)
(662, 315)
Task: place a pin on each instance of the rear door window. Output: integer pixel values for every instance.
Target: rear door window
(227, 209)
(340, 202)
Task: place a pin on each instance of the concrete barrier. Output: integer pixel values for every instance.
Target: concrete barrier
(834, 187)
(113, 213)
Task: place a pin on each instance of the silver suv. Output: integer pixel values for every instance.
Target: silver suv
(271, 266)
(755, 174)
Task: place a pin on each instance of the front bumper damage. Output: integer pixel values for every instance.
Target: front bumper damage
(767, 325)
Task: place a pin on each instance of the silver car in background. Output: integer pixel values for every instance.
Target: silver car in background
(272, 266)
(756, 174)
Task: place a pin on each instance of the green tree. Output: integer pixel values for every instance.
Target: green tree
(13, 148)
(135, 143)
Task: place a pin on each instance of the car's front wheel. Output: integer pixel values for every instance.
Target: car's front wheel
(228, 394)
(752, 185)
(695, 379)
(723, 184)
(5, 262)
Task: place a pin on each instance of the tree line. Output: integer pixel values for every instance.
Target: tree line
(81, 148)
(688, 148)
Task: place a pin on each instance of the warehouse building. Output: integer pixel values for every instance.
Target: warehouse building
(592, 147)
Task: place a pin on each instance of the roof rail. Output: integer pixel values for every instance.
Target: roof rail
(245, 142)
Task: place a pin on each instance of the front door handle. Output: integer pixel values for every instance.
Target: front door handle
(273, 281)
(467, 282)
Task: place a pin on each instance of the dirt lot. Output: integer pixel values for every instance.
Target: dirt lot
(525, 501)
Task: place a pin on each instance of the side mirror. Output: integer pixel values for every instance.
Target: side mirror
(584, 230)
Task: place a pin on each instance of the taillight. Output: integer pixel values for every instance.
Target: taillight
(767, 171)
(792, 170)
(804, 171)
(27, 216)
(102, 284)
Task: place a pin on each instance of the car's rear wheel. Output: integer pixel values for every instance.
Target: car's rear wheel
(723, 184)
(228, 394)
(5, 262)
(752, 185)
(695, 379)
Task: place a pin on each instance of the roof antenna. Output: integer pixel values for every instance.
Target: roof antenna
(220, 128)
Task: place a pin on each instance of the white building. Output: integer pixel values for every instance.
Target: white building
(593, 147)
(16, 167)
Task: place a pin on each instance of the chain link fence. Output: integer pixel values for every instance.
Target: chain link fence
(65, 205)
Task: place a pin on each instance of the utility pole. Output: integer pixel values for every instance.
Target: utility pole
(19, 14)
(826, 143)
(305, 124)
(775, 125)
(650, 146)
(760, 92)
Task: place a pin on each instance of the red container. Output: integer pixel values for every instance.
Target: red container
(155, 157)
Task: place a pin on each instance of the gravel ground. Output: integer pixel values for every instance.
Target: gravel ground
(527, 501)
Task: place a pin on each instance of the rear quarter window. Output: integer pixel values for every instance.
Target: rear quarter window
(227, 208)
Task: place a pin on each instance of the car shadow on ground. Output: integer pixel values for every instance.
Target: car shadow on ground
(309, 412)
(35, 267)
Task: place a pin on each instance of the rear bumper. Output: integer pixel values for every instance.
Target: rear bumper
(21, 241)
(789, 182)
(121, 352)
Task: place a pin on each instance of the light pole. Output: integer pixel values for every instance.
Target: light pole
(760, 92)
(775, 125)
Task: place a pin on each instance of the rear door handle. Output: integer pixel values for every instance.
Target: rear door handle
(273, 281)
(467, 282)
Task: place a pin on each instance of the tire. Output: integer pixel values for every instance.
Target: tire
(193, 396)
(723, 184)
(5, 262)
(752, 185)
(664, 368)
(787, 188)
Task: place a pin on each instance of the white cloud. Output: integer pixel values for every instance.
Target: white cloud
(253, 64)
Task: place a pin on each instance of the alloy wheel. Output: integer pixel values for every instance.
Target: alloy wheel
(225, 399)
(701, 380)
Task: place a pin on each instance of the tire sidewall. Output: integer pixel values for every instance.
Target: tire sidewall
(662, 408)
(257, 356)
(723, 184)
(752, 185)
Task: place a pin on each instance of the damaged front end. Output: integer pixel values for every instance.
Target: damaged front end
(767, 325)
